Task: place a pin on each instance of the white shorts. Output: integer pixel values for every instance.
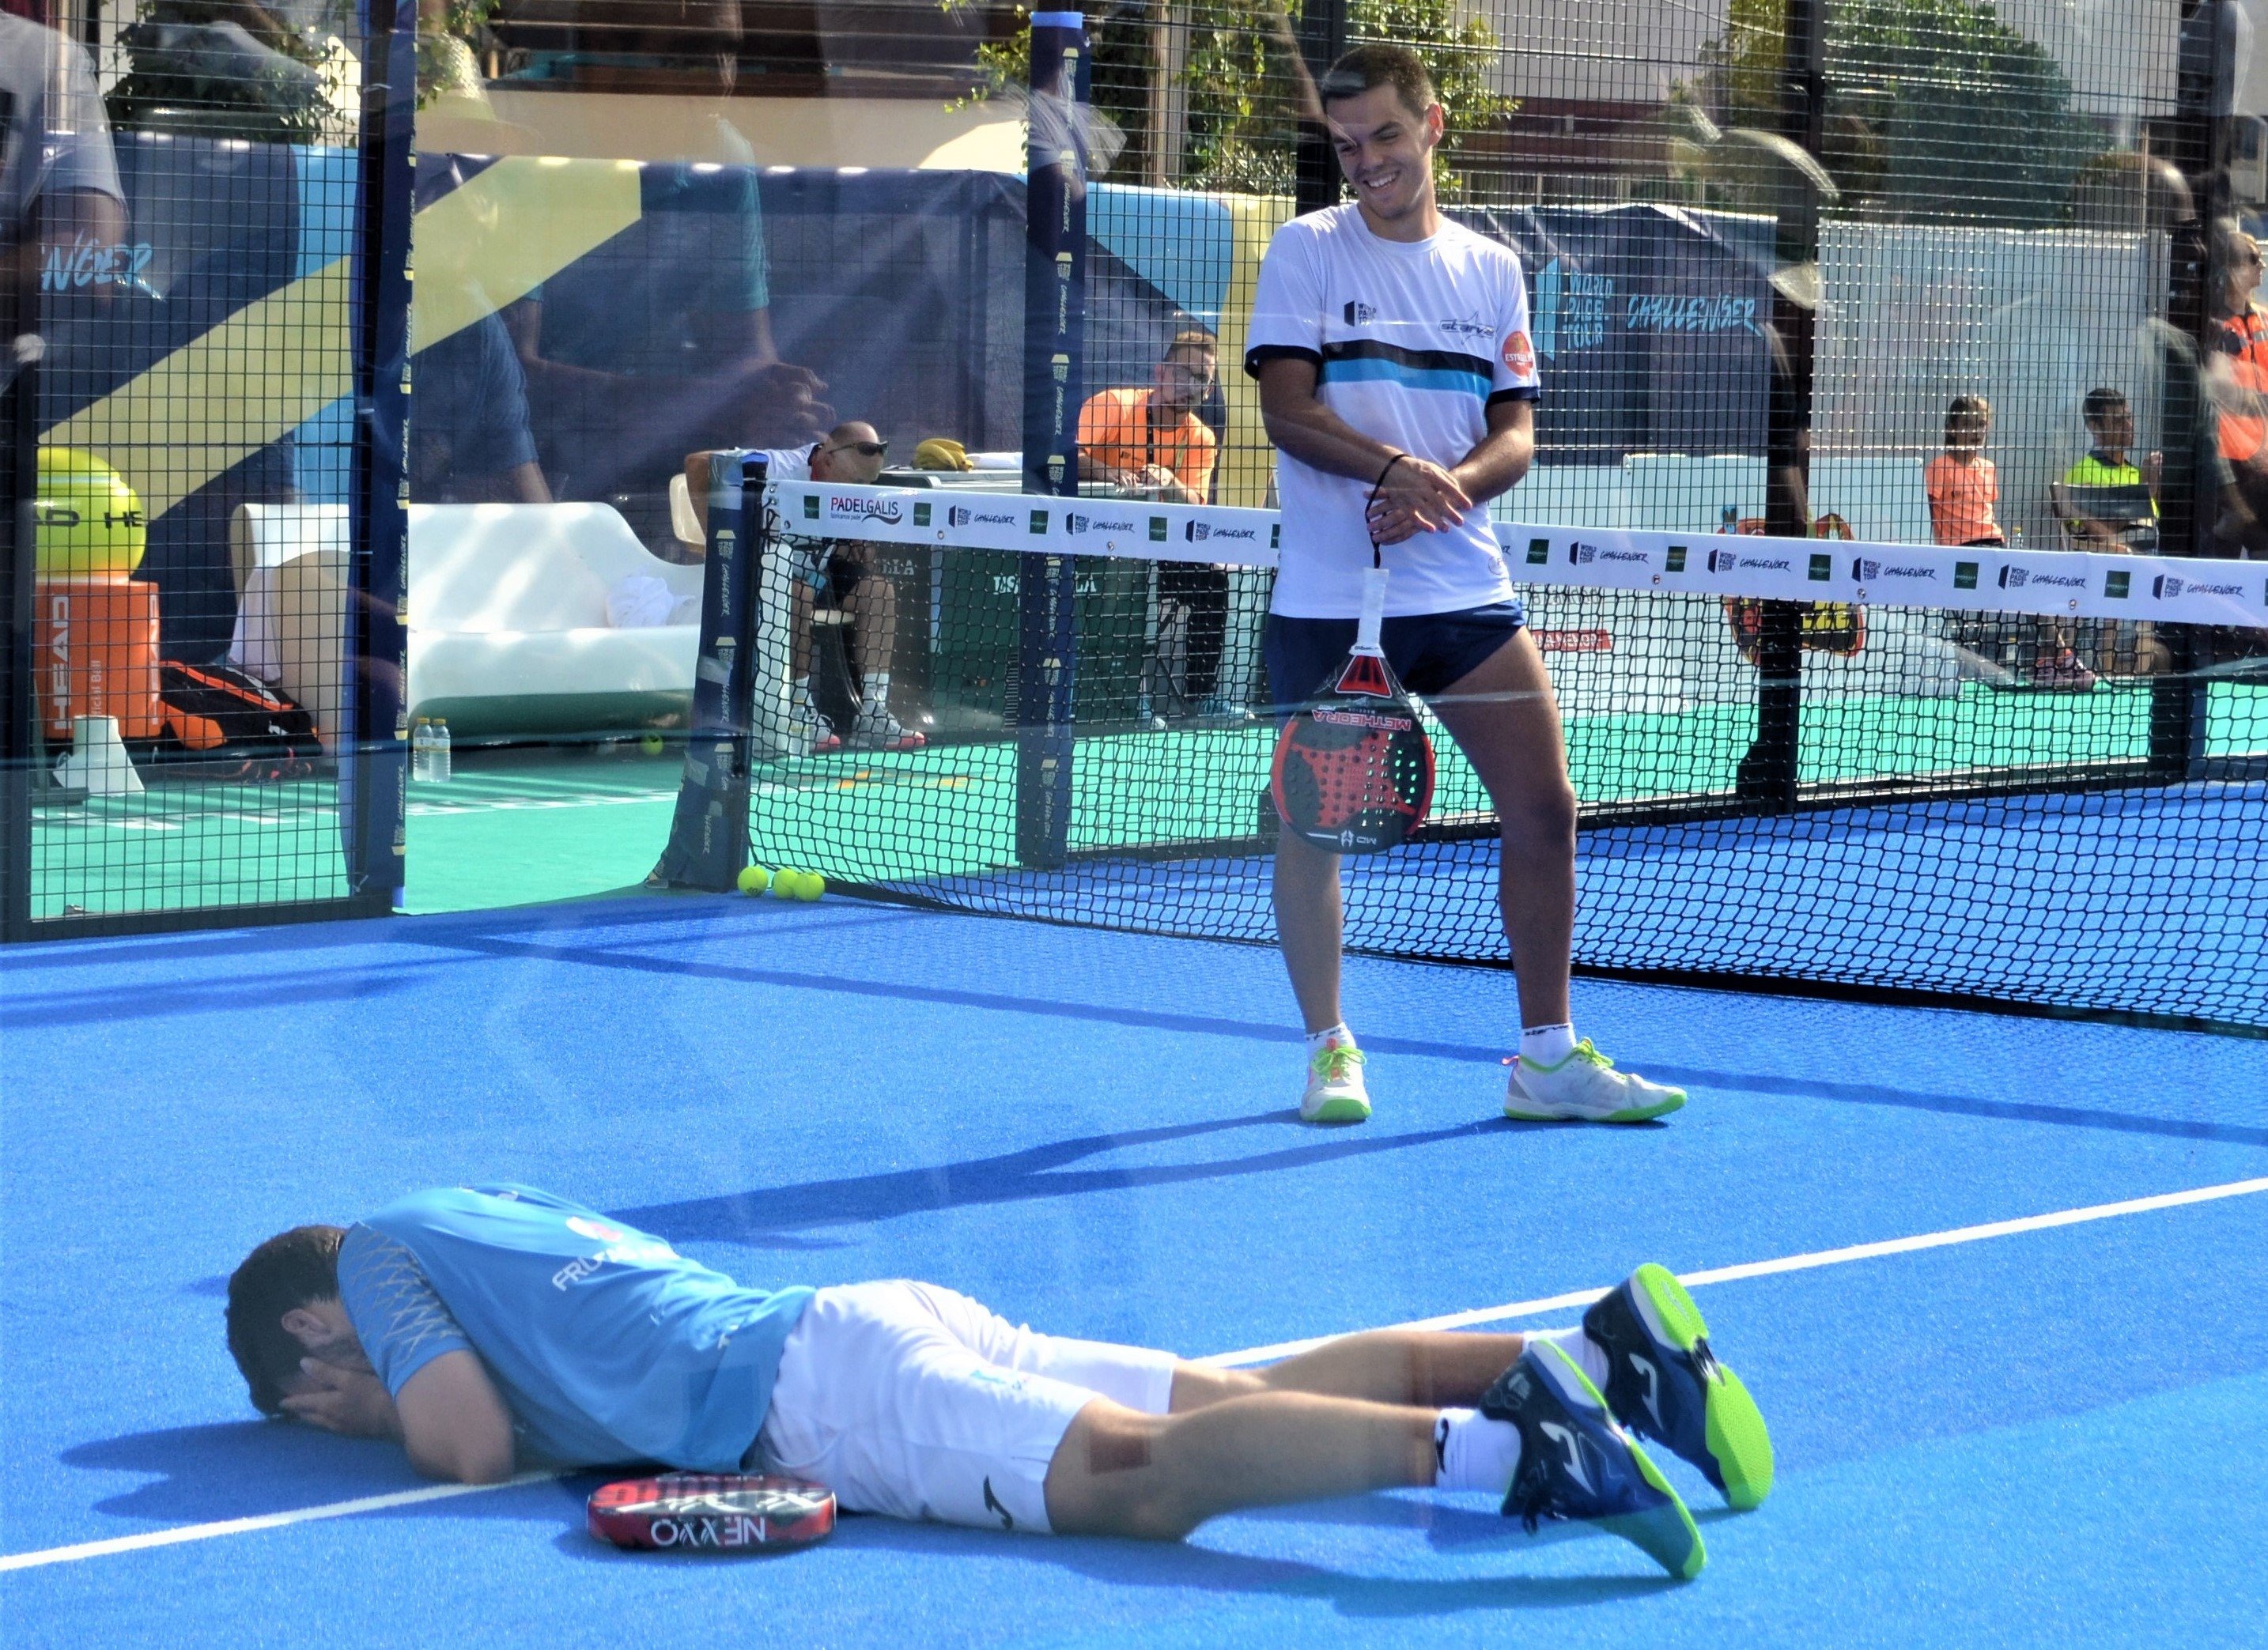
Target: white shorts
(911, 1400)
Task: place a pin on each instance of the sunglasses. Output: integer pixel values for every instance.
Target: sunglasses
(864, 449)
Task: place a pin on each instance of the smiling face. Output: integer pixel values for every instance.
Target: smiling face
(1385, 149)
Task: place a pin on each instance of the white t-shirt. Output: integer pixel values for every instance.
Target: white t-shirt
(788, 464)
(1414, 340)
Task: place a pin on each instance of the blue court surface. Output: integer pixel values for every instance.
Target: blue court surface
(2040, 1432)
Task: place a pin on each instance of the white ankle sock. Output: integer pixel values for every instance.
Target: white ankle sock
(878, 689)
(1472, 1452)
(801, 689)
(1329, 1034)
(1589, 1356)
(1546, 1045)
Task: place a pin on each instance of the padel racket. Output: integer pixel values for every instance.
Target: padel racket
(721, 1512)
(1353, 772)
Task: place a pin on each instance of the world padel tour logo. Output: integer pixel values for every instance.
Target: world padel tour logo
(2015, 578)
(1199, 531)
(844, 506)
(1094, 523)
(1583, 555)
(2165, 586)
(1358, 313)
(1867, 571)
(1734, 561)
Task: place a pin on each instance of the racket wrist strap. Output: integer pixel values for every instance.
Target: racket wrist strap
(1373, 611)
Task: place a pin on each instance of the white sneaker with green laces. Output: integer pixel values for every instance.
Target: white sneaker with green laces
(1335, 1092)
(1585, 1087)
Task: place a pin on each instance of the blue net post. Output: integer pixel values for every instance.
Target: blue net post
(374, 743)
(709, 835)
(1054, 318)
(1770, 774)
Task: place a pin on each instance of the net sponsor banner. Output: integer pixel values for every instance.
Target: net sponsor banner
(2082, 584)
(968, 520)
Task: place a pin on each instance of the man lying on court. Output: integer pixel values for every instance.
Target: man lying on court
(488, 1326)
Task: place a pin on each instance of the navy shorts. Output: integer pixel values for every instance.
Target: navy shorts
(1430, 652)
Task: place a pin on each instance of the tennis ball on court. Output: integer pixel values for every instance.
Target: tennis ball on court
(794, 884)
(754, 879)
(651, 744)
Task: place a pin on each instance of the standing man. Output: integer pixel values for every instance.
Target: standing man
(1398, 383)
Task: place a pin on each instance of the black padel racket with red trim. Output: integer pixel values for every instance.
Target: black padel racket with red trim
(712, 1511)
(1353, 772)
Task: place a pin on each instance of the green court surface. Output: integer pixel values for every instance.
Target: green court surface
(516, 827)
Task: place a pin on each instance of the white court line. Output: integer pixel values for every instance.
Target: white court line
(1226, 1361)
(1767, 1268)
(265, 1521)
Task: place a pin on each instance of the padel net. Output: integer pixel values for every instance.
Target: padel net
(2018, 777)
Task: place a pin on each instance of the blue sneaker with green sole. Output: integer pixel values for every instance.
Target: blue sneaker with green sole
(1663, 1382)
(1576, 1463)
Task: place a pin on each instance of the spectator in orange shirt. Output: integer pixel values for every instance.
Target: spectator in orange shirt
(1962, 482)
(1152, 441)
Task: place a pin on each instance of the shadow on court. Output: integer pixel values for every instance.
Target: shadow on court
(1190, 1564)
(247, 1469)
(766, 1218)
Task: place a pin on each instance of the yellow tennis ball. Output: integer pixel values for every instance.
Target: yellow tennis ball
(89, 522)
(651, 744)
(810, 886)
(784, 882)
(754, 879)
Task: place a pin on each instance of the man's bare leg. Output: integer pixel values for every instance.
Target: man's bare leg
(1503, 717)
(874, 617)
(1120, 1472)
(1388, 1366)
(1308, 920)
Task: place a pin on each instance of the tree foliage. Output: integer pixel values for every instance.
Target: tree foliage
(1239, 86)
(1937, 110)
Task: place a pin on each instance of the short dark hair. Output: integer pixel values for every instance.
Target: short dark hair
(2100, 404)
(1962, 410)
(290, 1270)
(1191, 338)
(1364, 67)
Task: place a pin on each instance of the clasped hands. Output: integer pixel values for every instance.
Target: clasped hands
(1415, 496)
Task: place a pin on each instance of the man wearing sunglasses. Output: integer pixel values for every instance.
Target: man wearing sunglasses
(852, 453)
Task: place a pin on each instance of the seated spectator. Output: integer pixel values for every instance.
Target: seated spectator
(2106, 501)
(1962, 482)
(1151, 441)
(843, 571)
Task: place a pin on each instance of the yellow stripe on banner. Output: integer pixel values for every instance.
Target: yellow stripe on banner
(214, 402)
(279, 361)
(1254, 221)
(496, 239)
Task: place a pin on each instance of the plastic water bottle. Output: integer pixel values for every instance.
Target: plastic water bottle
(440, 750)
(421, 752)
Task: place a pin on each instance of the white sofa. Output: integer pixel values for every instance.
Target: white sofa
(508, 627)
